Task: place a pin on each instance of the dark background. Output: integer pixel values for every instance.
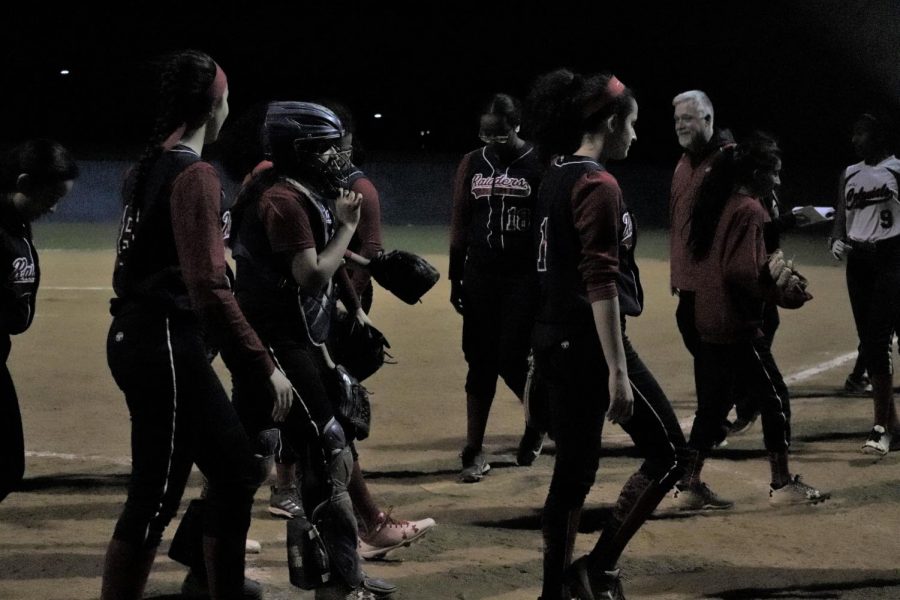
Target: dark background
(800, 69)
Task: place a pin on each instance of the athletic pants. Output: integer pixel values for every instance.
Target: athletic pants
(721, 368)
(576, 375)
(12, 443)
(873, 282)
(180, 414)
(305, 367)
(746, 404)
(500, 306)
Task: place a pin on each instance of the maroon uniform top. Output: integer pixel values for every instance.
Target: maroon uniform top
(735, 281)
(171, 256)
(689, 174)
(585, 248)
(278, 225)
(493, 201)
(367, 240)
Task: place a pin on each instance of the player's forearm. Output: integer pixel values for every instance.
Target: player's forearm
(609, 330)
(313, 270)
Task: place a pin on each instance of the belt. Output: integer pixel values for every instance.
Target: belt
(876, 245)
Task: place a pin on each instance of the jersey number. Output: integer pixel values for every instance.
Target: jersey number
(886, 217)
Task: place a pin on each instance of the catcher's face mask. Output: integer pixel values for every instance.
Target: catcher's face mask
(330, 162)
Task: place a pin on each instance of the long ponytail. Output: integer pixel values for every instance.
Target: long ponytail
(183, 99)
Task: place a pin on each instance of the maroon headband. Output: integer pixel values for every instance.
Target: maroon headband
(215, 91)
(614, 88)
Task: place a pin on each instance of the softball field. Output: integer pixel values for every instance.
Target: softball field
(487, 543)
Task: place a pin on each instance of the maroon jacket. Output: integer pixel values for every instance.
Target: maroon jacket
(736, 280)
(689, 174)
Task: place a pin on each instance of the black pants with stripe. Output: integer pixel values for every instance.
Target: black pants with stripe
(577, 381)
(324, 490)
(721, 367)
(12, 442)
(180, 415)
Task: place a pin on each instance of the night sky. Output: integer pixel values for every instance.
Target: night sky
(800, 69)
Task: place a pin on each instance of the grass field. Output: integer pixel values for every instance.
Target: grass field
(487, 544)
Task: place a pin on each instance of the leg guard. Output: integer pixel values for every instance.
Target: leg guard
(334, 517)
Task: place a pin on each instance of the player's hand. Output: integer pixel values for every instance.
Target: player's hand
(362, 318)
(621, 400)
(340, 311)
(675, 291)
(346, 207)
(456, 295)
(283, 393)
(840, 249)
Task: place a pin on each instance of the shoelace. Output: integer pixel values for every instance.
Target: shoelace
(389, 521)
(807, 489)
(875, 436)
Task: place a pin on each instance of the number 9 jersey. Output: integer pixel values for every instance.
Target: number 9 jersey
(872, 200)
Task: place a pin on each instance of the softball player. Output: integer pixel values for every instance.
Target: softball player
(867, 231)
(380, 532)
(288, 242)
(493, 285)
(173, 300)
(34, 177)
(727, 244)
(589, 282)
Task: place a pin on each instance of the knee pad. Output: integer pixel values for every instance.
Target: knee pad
(268, 445)
(333, 437)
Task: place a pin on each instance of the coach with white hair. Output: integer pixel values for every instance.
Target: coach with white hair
(701, 143)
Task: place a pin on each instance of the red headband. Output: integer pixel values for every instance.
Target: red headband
(215, 91)
(614, 88)
(218, 86)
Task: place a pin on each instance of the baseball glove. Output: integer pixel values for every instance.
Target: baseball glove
(352, 404)
(359, 348)
(404, 274)
(790, 286)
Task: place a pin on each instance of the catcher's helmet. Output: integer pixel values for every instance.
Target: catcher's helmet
(304, 138)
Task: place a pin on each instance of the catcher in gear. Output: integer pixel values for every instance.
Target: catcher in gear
(291, 226)
(727, 242)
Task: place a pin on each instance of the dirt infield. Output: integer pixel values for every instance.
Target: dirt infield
(487, 543)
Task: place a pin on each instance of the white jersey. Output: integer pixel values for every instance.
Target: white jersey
(872, 200)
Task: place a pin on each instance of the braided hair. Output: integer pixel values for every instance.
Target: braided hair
(735, 166)
(183, 99)
(555, 111)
